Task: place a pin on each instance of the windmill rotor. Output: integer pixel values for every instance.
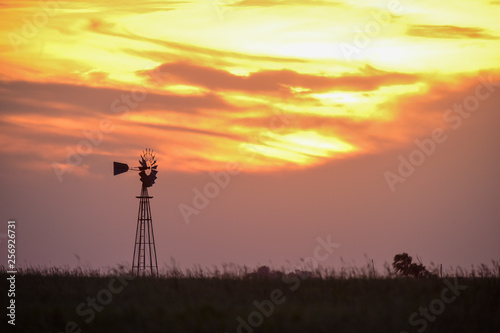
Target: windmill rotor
(147, 168)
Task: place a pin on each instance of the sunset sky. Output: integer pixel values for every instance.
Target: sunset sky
(375, 122)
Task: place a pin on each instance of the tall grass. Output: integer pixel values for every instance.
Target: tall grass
(234, 271)
(211, 299)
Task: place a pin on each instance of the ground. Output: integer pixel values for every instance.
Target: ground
(63, 302)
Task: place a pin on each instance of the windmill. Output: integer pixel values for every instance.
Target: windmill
(144, 260)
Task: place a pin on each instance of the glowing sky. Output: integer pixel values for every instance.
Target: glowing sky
(278, 86)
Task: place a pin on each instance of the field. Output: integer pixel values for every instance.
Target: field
(55, 300)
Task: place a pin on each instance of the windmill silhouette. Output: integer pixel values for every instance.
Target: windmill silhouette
(144, 260)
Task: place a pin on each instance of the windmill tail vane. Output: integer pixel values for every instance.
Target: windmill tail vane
(144, 260)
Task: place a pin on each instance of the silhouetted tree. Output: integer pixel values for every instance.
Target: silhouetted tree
(264, 272)
(404, 266)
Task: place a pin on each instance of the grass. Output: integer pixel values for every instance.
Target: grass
(200, 300)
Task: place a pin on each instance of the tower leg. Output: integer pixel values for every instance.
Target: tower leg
(144, 261)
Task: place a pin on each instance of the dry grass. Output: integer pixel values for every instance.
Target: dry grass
(211, 299)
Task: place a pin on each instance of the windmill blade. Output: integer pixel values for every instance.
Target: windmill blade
(119, 168)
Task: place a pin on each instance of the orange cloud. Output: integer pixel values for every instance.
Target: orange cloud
(269, 3)
(280, 81)
(448, 32)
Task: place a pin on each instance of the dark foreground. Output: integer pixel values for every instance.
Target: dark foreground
(73, 303)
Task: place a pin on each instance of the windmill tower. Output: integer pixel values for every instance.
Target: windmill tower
(144, 260)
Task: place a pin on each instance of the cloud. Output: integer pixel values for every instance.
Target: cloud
(34, 98)
(205, 132)
(170, 128)
(280, 81)
(448, 32)
(270, 3)
(179, 49)
(48, 120)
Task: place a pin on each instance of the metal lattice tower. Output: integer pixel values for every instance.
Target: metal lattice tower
(144, 260)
